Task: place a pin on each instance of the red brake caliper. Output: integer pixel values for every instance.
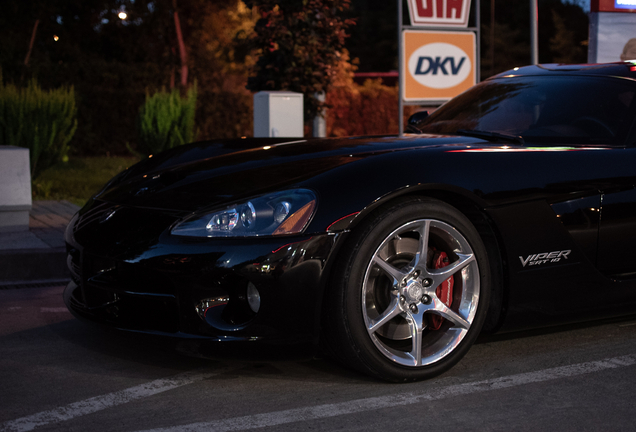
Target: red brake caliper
(444, 291)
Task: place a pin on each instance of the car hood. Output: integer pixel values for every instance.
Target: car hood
(203, 175)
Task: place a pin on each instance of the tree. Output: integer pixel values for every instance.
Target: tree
(183, 54)
(563, 45)
(557, 42)
(300, 43)
(216, 34)
(374, 37)
(510, 49)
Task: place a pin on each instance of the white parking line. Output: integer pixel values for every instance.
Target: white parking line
(99, 403)
(42, 309)
(54, 309)
(375, 403)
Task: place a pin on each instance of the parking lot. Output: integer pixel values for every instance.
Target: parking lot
(61, 374)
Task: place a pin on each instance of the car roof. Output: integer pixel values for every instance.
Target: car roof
(625, 69)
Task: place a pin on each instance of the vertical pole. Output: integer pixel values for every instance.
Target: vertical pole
(534, 31)
(35, 29)
(320, 121)
(492, 37)
(401, 70)
(478, 48)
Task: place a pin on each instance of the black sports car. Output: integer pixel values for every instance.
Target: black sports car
(511, 206)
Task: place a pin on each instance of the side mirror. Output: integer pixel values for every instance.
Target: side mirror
(416, 121)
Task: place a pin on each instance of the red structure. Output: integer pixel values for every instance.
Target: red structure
(613, 6)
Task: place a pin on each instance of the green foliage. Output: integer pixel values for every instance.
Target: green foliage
(300, 43)
(79, 179)
(166, 120)
(40, 120)
(111, 62)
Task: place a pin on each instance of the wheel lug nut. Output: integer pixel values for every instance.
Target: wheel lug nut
(416, 273)
(413, 308)
(402, 300)
(425, 299)
(426, 282)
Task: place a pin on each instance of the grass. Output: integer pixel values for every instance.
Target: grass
(78, 179)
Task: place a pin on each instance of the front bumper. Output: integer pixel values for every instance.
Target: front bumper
(197, 288)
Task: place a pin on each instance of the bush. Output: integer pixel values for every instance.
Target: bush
(166, 120)
(40, 120)
(225, 114)
(369, 109)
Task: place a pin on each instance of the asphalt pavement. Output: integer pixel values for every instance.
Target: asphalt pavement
(37, 256)
(61, 374)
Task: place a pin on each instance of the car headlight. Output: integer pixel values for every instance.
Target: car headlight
(286, 212)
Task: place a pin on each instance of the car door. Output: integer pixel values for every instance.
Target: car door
(617, 234)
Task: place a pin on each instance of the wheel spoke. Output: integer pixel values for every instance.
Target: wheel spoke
(416, 326)
(419, 261)
(394, 272)
(444, 273)
(439, 308)
(391, 312)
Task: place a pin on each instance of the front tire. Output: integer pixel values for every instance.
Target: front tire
(386, 314)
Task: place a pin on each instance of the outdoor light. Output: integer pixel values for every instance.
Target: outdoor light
(122, 15)
(56, 38)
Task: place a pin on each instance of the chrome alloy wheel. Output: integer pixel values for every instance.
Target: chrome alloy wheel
(399, 293)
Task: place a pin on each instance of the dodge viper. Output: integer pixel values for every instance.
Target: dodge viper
(512, 206)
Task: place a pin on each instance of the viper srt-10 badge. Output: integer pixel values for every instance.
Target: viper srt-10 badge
(543, 258)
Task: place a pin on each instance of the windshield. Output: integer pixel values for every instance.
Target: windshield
(556, 109)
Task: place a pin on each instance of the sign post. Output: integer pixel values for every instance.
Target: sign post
(534, 31)
(438, 52)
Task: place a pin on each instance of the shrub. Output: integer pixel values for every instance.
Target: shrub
(166, 120)
(43, 121)
(225, 114)
(368, 109)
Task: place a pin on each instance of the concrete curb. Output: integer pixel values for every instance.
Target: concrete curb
(40, 253)
(33, 264)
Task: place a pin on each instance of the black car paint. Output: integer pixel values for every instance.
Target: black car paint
(534, 199)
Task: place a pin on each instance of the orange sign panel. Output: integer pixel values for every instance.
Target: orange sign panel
(437, 65)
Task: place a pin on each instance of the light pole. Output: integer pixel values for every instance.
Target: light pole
(534, 32)
(492, 37)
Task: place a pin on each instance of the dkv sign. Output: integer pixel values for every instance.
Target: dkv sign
(438, 65)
